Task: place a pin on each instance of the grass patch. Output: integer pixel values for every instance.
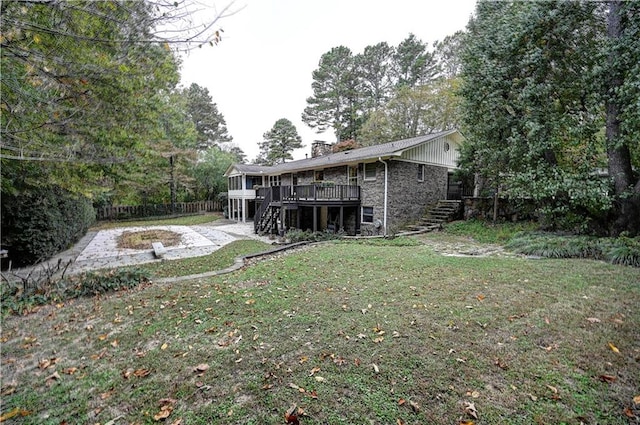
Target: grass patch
(488, 232)
(144, 239)
(218, 260)
(190, 220)
(346, 331)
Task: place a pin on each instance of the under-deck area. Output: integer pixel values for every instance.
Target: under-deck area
(308, 207)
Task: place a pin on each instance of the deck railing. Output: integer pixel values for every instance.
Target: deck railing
(310, 192)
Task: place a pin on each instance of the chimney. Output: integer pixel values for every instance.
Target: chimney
(320, 148)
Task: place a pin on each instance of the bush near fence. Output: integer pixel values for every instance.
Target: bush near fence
(124, 212)
(38, 222)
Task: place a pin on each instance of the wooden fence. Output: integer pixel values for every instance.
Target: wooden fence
(123, 212)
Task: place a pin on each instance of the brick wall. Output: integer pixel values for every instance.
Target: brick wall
(407, 197)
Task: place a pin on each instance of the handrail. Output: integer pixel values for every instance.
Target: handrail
(262, 208)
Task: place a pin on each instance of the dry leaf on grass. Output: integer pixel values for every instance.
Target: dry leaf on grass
(164, 412)
(470, 409)
(291, 415)
(607, 378)
(13, 413)
(614, 348)
(628, 413)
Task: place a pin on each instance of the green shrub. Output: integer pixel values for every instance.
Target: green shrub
(622, 250)
(21, 297)
(297, 235)
(39, 222)
(488, 232)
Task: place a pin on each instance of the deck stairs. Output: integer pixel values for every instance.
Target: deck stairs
(267, 222)
(442, 212)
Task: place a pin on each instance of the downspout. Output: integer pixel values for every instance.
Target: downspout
(386, 187)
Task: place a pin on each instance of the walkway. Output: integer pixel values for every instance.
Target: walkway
(98, 249)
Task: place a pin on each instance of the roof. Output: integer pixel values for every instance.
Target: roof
(386, 150)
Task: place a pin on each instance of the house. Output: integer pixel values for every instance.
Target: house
(368, 190)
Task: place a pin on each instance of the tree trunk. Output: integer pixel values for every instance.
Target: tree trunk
(627, 198)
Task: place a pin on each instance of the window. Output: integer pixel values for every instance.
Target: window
(352, 175)
(370, 171)
(235, 183)
(319, 175)
(420, 172)
(367, 214)
(274, 180)
(446, 147)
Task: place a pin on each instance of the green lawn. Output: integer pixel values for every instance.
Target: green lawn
(188, 220)
(351, 333)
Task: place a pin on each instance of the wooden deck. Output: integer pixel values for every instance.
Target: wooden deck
(311, 195)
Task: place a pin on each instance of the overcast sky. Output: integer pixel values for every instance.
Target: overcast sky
(261, 71)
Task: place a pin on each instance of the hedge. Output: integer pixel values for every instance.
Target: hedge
(39, 222)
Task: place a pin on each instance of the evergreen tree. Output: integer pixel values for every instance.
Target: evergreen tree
(335, 103)
(210, 123)
(279, 142)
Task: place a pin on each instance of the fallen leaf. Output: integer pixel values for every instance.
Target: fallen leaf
(556, 395)
(164, 412)
(466, 423)
(614, 348)
(628, 413)
(164, 346)
(399, 422)
(141, 373)
(114, 343)
(106, 395)
(44, 364)
(13, 413)
(607, 378)
(291, 415)
(533, 398)
(303, 359)
(401, 402)
(501, 364)
(414, 406)
(320, 379)
(103, 337)
(470, 409)
(202, 367)
(636, 400)
(70, 370)
(314, 371)
(375, 368)
(378, 339)
(480, 297)
(593, 320)
(340, 361)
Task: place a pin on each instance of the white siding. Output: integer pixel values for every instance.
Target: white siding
(435, 152)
